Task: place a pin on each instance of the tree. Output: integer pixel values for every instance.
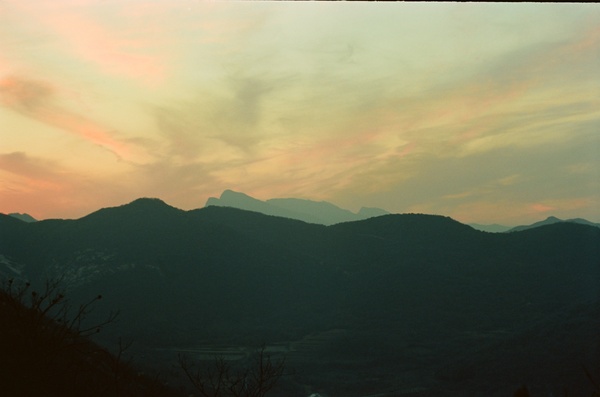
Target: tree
(223, 380)
(47, 318)
(43, 340)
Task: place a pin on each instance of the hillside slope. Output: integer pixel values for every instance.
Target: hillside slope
(397, 298)
(41, 354)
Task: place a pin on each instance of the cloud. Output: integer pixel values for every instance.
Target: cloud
(77, 32)
(293, 133)
(37, 100)
(110, 53)
(246, 97)
(46, 187)
(24, 95)
(187, 134)
(515, 98)
(186, 185)
(32, 185)
(539, 207)
(566, 205)
(19, 163)
(238, 118)
(487, 189)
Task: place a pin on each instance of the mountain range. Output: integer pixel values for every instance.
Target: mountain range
(23, 217)
(552, 220)
(393, 305)
(321, 212)
(325, 213)
(495, 228)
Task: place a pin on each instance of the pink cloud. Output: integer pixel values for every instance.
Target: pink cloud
(20, 164)
(539, 207)
(111, 53)
(46, 189)
(24, 94)
(28, 183)
(112, 49)
(564, 208)
(585, 45)
(34, 99)
(5, 65)
(85, 128)
(569, 204)
(408, 149)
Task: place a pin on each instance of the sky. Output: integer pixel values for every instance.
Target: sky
(485, 112)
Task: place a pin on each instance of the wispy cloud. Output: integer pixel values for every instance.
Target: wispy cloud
(105, 44)
(511, 100)
(409, 107)
(35, 185)
(45, 187)
(36, 99)
(37, 170)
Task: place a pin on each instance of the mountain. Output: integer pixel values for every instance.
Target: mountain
(371, 212)
(24, 217)
(551, 220)
(389, 305)
(493, 228)
(320, 212)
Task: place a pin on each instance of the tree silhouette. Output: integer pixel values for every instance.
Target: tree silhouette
(223, 380)
(45, 349)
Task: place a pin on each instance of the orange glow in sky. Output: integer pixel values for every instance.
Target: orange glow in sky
(485, 112)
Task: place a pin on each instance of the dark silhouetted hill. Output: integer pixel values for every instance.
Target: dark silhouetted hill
(40, 356)
(381, 305)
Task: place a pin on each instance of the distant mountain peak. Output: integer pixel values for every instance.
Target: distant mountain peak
(233, 193)
(551, 220)
(145, 206)
(148, 204)
(493, 228)
(148, 201)
(23, 217)
(369, 212)
(320, 212)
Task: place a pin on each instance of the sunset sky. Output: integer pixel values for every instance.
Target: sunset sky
(485, 112)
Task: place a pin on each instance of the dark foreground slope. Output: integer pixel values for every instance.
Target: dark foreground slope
(397, 304)
(41, 355)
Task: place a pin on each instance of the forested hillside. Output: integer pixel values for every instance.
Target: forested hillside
(393, 304)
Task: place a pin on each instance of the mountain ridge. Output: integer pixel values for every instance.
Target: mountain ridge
(423, 287)
(23, 217)
(321, 212)
(551, 220)
(490, 228)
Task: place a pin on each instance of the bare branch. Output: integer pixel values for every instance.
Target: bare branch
(255, 380)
